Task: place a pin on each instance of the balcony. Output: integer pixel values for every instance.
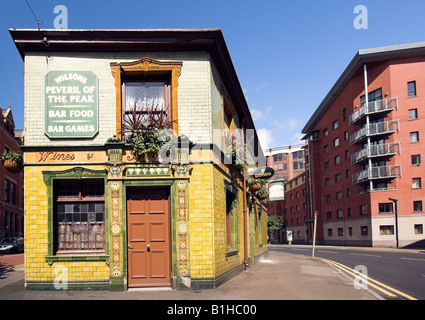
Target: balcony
(374, 107)
(376, 173)
(375, 129)
(376, 151)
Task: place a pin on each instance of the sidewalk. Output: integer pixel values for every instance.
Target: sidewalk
(281, 276)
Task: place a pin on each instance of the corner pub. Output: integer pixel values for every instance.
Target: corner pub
(102, 207)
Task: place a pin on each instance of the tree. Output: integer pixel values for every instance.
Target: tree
(274, 223)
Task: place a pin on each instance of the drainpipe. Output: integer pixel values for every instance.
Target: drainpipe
(245, 230)
(367, 122)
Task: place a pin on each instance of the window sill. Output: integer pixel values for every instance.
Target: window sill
(76, 257)
(231, 253)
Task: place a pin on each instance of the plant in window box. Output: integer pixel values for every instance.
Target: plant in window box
(255, 185)
(148, 129)
(262, 194)
(12, 161)
(233, 151)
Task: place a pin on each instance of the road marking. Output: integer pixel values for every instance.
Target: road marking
(326, 251)
(412, 259)
(371, 282)
(300, 249)
(364, 254)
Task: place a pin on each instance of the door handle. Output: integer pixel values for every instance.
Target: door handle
(148, 246)
(130, 247)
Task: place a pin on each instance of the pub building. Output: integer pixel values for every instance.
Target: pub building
(138, 149)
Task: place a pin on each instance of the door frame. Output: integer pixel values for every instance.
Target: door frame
(165, 184)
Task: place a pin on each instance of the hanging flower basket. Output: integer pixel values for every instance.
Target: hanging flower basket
(263, 196)
(255, 187)
(12, 161)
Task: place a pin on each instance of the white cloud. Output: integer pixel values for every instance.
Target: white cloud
(296, 138)
(266, 138)
(286, 124)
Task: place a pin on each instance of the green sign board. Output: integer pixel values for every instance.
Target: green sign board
(71, 104)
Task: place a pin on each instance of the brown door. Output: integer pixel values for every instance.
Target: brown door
(148, 237)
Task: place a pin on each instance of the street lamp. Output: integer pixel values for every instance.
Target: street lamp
(396, 219)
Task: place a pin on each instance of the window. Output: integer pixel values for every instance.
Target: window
(340, 232)
(344, 114)
(335, 124)
(349, 212)
(372, 96)
(416, 183)
(13, 195)
(386, 207)
(328, 198)
(348, 193)
(346, 135)
(336, 142)
(411, 89)
(325, 132)
(325, 149)
(419, 228)
(329, 215)
(79, 216)
(277, 157)
(337, 178)
(414, 137)
(413, 114)
(330, 232)
(297, 155)
(327, 182)
(231, 220)
(337, 160)
(339, 214)
(417, 206)
(326, 165)
(147, 104)
(350, 231)
(6, 190)
(347, 174)
(338, 195)
(386, 230)
(364, 230)
(363, 209)
(416, 159)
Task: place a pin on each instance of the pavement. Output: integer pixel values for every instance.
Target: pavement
(279, 276)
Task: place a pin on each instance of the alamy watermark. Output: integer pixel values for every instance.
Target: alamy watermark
(361, 20)
(61, 20)
(360, 281)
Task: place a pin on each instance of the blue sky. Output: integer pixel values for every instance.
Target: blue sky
(287, 53)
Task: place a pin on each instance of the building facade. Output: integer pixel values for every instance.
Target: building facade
(287, 162)
(12, 184)
(365, 145)
(104, 215)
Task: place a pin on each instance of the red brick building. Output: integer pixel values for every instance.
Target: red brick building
(366, 144)
(11, 184)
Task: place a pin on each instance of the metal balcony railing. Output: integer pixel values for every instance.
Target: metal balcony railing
(380, 150)
(384, 172)
(374, 107)
(375, 129)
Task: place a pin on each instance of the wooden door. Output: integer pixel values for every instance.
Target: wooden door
(148, 235)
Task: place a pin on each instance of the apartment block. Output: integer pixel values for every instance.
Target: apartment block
(365, 151)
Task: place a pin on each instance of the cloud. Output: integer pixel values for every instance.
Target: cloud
(266, 138)
(286, 124)
(296, 138)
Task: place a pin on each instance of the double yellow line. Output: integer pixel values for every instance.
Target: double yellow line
(390, 292)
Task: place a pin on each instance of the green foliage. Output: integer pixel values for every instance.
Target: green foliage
(15, 156)
(148, 141)
(251, 182)
(274, 223)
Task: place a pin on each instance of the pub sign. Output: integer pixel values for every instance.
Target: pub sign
(71, 104)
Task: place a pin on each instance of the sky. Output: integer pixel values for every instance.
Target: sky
(287, 53)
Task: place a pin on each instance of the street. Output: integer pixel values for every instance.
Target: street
(403, 270)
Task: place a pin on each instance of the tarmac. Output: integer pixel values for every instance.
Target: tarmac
(279, 276)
